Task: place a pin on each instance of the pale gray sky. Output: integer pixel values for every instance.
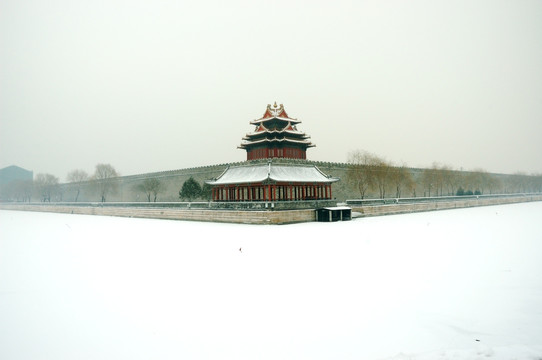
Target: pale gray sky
(162, 85)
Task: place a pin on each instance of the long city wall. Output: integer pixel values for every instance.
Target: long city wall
(126, 189)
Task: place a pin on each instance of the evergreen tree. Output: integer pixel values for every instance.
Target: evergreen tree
(206, 191)
(191, 189)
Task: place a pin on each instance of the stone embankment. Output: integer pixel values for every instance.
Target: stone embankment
(174, 213)
(402, 206)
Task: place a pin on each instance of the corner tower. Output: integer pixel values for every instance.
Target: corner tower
(276, 136)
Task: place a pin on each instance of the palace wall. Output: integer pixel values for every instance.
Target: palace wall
(125, 189)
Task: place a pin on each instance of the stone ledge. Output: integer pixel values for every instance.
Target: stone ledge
(242, 216)
(378, 210)
(228, 216)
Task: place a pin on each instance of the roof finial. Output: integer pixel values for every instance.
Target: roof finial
(275, 106)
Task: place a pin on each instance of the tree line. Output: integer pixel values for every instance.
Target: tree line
(367, 175)
(370, 174)
(103, 182)
(46, 187)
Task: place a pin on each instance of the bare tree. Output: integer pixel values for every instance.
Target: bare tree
(521, 182)
(537, 183)
(77, 177)
(477, 180)
(24, 190)
(151, 187)
(452, 179)
(494, 184)
(439, 178)
(401, 178)
(104, 177)
(45, 185)
(431, 180)
(359, 174)
(381, 170)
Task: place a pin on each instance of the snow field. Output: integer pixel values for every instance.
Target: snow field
(455, 284)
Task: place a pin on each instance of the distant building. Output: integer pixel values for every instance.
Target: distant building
(261, 178)
(15, 184)
(13, 173)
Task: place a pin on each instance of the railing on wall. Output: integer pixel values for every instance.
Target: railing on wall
(411, 200)
(196, 205)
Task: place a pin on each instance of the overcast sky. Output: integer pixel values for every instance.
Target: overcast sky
(163, 85)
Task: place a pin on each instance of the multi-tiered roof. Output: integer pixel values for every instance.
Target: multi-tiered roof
(276, 136)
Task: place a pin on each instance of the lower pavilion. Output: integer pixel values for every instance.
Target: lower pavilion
(275, 170)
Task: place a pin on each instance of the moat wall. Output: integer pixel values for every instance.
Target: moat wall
(391, 209)
(209, 212)
(261, 217)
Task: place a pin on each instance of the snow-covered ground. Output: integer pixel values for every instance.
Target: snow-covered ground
(457, 284)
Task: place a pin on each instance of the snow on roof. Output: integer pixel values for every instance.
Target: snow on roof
(290, 120)
(276, 173)
(293, 132)
(245, 142)
(338, 208)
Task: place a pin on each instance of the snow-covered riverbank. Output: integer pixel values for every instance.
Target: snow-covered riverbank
(457, 284)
